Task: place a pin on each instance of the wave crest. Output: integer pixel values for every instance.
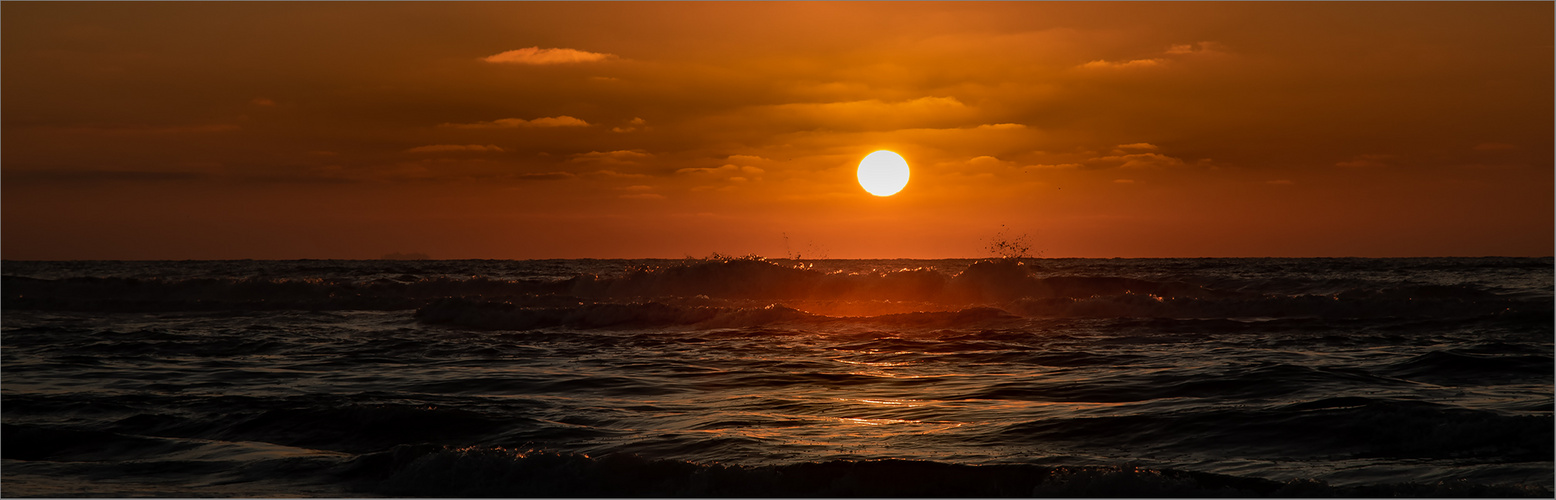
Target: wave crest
(738, 292)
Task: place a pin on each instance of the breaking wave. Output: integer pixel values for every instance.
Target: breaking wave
(749, 292)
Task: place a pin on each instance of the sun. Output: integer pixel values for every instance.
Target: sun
(883, 173)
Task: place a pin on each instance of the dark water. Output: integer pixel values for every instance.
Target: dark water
(1054, 377)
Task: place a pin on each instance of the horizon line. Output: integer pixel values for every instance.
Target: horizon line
(759, 257)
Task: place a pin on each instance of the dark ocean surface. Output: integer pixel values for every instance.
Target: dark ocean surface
(1047, 377)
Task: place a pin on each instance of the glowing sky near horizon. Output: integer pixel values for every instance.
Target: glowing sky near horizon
(570, 130)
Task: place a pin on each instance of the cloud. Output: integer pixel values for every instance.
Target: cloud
(986, 164)
(260, 101)
(977, 166)
(632, 125)
(921, 104)
(643, 196)
(746, 159)
(1175, 50)
(1139, 145)
(538, 56)
(620, 157)
(1139, 160)
(440, 148)
(1060, 166)
(986, 161)
(1196, 48)
(1279, 182)
(1124, 181)
(871, 114)
(1137, 63)
(559, 121)
(1001, 126)
(733, 173)
(1366, 161)
(612, 174)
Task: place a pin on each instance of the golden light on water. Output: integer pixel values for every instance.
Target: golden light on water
(883, 173)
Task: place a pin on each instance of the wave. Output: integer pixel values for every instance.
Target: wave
(159, 426)
(175, 468)
(425, 470)
(1459, 368)
(741, 292)
(428, 450)
(508, 316)
(23, 442)
(1351, 425)
(1263, 382)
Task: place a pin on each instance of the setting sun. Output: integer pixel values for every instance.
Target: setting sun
(883, 173)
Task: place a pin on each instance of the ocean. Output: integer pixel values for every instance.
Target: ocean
(738, 377)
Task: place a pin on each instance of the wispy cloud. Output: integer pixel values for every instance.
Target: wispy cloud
(987, 161)
(1174, 52)
(612, 157)
(732, 173)
(612, 174)
(1137, 63)
(747, 159)
(558, 121)
(922, 104)
(632, 125)
(872, 113)
(1139, 160)
(1196, 48)
(442, 148)
(539, 56)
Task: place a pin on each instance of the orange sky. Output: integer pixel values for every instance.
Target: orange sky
(570, 130)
